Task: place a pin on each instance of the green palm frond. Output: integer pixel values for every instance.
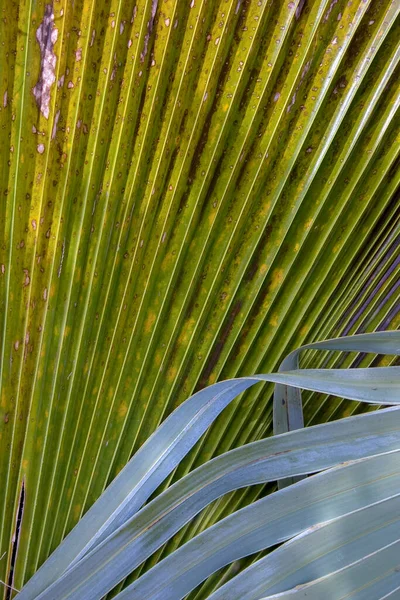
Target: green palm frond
(355, 520)
(190, 190)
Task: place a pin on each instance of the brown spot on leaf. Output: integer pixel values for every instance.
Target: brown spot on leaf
(219, 346)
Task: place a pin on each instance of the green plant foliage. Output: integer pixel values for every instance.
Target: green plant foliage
(336, 520)
(190, 190)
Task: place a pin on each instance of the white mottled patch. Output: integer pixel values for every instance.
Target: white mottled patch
(114, 69)
(54, 131)
(62, 259)
(46, 36)
(40, 148)
(27, 278)
(5, 99)
(150, 25)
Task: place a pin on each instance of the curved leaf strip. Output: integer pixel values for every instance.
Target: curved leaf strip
(267, 522)
(318, 551)
(373, 576)
(288, 413)
(294, 453)
(375, 385)
(163, 451)
(287, 403)
(392, 595)
(154, 461)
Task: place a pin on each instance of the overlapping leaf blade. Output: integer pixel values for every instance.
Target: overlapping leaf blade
(206, 186)
(321, 550)
(288, 410)
(267, 522)
(84, 573)
(298, 452)
(373, 576)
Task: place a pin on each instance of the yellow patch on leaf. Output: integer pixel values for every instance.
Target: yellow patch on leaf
(122, 409)
(149, 322)
(171, 373)
(274, 320)
(307, 224)
(304, 330)
(277, 278)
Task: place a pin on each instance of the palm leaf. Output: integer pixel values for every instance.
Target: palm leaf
(78, 568)
(267, 522)
(358, 534)
(191, 190)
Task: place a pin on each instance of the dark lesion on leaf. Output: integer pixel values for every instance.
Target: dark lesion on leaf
(20, 511)
(219, 345)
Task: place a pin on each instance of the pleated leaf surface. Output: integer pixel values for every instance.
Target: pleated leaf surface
(190, 189)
